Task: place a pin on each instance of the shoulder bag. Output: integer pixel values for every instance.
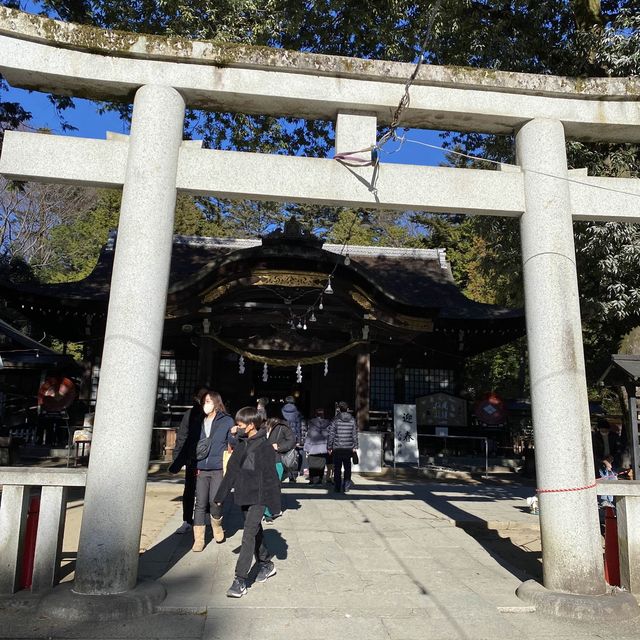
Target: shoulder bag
(289, 458)
(202, 448)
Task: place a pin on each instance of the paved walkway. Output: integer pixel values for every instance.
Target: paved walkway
(392, 561)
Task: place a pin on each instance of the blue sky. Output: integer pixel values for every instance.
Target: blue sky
(91, 124)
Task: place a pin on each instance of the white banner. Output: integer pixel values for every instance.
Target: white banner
(405, 433)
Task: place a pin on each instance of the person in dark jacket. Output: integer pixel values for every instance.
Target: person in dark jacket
(215, 427)
(281, 438)
(342, 441)
(184, 455)
(251, 473)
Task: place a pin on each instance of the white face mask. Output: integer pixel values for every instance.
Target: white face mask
(208, 408)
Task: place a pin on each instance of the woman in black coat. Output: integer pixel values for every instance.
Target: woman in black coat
(282, 439)
(184, 455)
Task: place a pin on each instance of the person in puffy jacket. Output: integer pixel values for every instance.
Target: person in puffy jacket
(294, 419)
(216, 427)
(342, 442)
(251, 473)
(315, 445)
(291, 414)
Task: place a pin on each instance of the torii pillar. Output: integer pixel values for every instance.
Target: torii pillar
(571, 548)
(116, 482)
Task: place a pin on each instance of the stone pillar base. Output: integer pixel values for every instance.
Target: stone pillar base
(64, 603)
(611, 606)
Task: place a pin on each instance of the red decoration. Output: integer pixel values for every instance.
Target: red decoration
(490, 409)
(56, 393)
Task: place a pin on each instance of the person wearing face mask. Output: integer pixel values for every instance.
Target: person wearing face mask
(251, 473)
(216, 427)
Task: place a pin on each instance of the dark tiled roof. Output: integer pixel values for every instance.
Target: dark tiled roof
(419, 279)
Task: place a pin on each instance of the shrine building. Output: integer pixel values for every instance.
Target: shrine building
(291, 315)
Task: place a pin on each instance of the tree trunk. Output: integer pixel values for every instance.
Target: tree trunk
(588, 14)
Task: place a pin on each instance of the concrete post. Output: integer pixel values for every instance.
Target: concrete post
(628, 510)
(355, 131)
(114, 499)
(571, 548)
(46, 561)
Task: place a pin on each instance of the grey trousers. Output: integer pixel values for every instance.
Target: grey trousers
(207, 485)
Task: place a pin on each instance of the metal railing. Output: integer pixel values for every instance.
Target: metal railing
(445, 438)
(17, 486)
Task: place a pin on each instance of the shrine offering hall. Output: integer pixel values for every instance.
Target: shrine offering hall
(289, 315)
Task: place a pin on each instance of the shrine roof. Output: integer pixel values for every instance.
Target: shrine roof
(418, 279)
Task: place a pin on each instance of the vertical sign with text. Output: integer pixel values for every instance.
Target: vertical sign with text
(405, 433)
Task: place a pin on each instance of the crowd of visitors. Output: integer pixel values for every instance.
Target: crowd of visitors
(250, 456)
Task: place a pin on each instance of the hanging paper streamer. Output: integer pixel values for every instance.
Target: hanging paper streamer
(326, 366)
(299, 373)
(265, 373)
(241, 365)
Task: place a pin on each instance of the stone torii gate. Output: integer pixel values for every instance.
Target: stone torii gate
(162, 75)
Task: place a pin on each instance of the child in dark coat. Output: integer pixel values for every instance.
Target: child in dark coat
(251, 473)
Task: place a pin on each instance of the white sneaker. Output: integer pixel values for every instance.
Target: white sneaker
(185, 527)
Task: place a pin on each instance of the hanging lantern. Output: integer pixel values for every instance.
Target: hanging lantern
(312, 318)
(265, 373)
(326, 366)
(241, 365)
(321, 306)
(304, 326)
(329, 289)
(299, 373)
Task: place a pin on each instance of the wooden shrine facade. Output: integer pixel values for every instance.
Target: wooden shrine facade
(287, 315)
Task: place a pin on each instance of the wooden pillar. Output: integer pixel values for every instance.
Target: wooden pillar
(205, 362)
(363, 369)
(316, 398)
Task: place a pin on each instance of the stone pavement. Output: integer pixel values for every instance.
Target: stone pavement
(389, 560)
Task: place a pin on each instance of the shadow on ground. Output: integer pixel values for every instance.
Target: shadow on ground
(515, 549)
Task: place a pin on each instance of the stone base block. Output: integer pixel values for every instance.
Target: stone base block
(63, 603)
(614, 605)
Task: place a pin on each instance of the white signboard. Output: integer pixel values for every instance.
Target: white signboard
(406, 433)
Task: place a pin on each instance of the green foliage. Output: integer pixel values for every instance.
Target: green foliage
(503, 369)
(77, 245)
(382, 228)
